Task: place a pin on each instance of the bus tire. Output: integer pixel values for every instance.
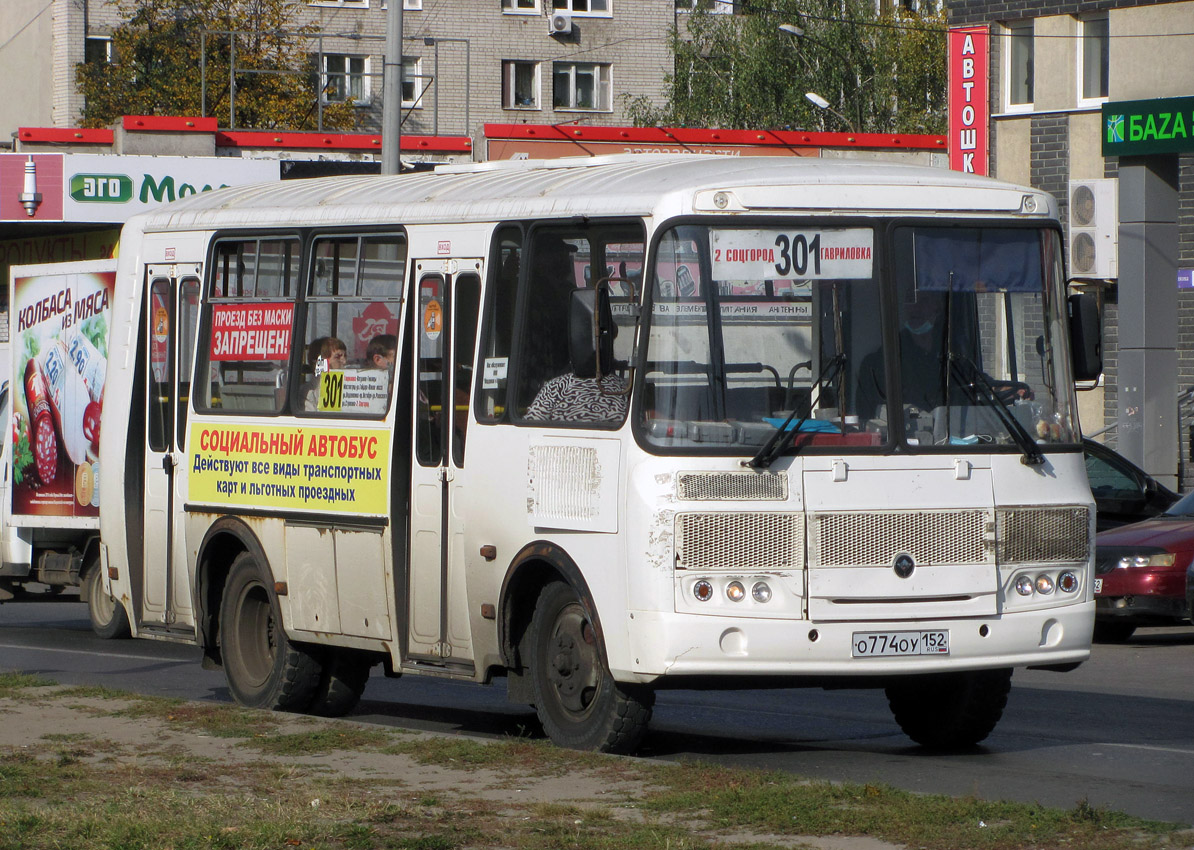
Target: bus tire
(950, 711)
(578, 702)
(263, 667)
(109, 620)
(341, 684)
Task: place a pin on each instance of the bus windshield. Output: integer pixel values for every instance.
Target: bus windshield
(927, 335)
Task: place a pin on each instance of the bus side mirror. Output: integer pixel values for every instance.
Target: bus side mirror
(590, 332)
(1086, 337)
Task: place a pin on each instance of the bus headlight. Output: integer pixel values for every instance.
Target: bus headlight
(1044, 584)
(1067, 582)
(703, 591)
(1024, 586)
(735, 591)
(761, 592)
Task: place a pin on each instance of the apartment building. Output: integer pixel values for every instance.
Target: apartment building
(465, 62)
(1059, 75)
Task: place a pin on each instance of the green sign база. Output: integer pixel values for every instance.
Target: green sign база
(1135, 127)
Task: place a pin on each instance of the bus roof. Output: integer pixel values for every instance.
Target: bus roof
(607, 185)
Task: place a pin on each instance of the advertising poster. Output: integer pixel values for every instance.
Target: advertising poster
(332, 469)
(60, 322)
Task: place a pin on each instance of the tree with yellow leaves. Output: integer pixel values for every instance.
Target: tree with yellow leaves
(174, 57)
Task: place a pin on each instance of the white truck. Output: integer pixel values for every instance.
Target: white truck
(53, 363)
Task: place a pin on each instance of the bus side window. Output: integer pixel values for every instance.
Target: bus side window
(464, 333)
(498, 324)
(249, 316)
(353, 298)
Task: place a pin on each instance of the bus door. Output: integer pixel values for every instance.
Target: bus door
(172, 315)
(446, 306)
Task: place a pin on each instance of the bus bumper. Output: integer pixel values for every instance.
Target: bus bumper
(668, 644)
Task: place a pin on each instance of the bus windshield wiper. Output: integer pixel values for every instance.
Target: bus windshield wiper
(971, 378)
(784, 435)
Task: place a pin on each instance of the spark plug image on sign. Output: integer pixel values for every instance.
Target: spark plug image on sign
(59, 321)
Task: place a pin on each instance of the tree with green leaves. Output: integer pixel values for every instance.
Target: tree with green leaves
(752, 69)
(174, 57)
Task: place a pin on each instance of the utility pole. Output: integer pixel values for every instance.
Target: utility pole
(391, 92)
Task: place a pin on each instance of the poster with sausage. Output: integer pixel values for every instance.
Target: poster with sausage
(60, 319)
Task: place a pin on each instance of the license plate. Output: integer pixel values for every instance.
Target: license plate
(1098, 585)
(875, 644)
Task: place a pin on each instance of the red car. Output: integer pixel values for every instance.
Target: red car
(1140, 573)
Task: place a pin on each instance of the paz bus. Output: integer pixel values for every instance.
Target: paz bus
(605, 426)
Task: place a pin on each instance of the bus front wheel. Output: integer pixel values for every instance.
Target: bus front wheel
(578, 702)
(264, 669)
(950, 711)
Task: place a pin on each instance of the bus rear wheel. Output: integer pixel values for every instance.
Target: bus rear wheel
(263, 667)
(950, 711)
(578, 702)
(109, 620)
(340, 684)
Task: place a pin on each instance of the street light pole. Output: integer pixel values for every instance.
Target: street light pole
(821, 102)
(798, 32)
(391, 92)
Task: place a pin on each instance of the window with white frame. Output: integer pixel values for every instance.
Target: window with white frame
(345, 78)
(520, 7)
(520, 84)
(1020, 66)
(98, 50)
(723, 7)
(1093, 52)
(414, 84)
(581, 85)
(598, 8)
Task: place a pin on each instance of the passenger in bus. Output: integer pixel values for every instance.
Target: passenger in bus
(922, 364)
(324, 354)
(576, 397)
(381, 352)
(571, 398)
(924, 371)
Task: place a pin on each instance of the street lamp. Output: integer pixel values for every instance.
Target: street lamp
(798, 32)
(821, 102)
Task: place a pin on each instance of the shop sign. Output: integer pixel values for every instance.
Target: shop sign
(1141, 127)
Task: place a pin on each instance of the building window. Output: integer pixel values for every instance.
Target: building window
(582, 7)
(414, 84)
(520, 7)
(98, 51)
(520, 85)
(345, 78)
(581, 85)
(1020, 67)
(717, 7)
(1092, 59)
(345, 4)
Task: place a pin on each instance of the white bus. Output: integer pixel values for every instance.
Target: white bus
(601, 427)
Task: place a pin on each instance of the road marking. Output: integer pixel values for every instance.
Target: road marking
(1150, 749)
(90, 652)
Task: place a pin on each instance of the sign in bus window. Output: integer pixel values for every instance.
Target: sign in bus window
(807, 253)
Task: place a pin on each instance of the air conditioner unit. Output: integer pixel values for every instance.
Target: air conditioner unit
(559, 23)
(1094, 229)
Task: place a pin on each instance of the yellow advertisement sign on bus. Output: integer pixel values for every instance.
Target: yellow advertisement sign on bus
(289, 468)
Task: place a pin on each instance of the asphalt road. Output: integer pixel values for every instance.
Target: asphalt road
(1117, 733)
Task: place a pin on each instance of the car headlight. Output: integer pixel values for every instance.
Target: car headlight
(1156, 559)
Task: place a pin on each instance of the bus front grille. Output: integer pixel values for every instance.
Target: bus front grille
(741, 542)
(876, 538)
(1031, 535)
(732, 486)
